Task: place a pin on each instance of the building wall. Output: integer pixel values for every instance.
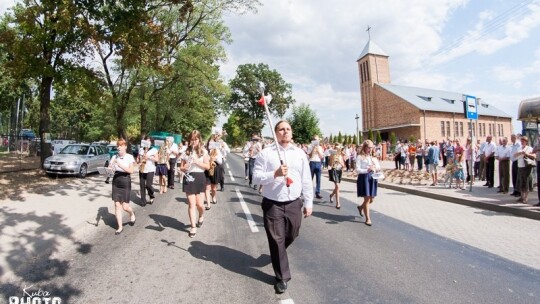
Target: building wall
(391, 110)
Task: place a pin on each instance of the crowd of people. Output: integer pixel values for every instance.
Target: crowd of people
(199, 166)
(283, 174)
(517, 161)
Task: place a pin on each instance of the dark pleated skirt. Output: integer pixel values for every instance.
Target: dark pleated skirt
(366, 185)
(197, 186)
(335, 175)
(121, 187)
(161, 169)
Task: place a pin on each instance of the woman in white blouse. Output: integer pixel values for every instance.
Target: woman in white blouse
(524, 170)
(194, 161)
(366, 186)
(123, 165)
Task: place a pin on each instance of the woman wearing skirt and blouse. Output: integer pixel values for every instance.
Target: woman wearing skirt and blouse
(194, 162)
(123, 164)
(336, 166)
(366, 186)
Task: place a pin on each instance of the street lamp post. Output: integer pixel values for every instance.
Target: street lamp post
(357, 135)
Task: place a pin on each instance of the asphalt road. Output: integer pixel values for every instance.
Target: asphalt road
(402, 258)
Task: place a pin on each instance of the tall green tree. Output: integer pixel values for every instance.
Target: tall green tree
(339, 138)
(244, 95)
(43, 39)
(235, 135)
(304, 123)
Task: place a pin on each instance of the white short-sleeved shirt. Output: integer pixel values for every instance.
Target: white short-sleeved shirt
(150, 165)
(126, 161)
(194, 158)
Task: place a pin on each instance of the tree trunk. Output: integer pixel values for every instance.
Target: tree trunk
(44, 116)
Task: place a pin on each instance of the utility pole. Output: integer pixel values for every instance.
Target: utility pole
(357, 134)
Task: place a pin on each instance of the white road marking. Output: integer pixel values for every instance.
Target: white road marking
(286, 301)
(230, 174)
(249, 218)
(227, 165)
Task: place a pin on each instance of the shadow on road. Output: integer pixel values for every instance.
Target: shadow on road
(334, 218)
(233, 260)
(163, 222)
(34, 240)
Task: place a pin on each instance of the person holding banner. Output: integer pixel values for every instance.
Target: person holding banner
(284, 172)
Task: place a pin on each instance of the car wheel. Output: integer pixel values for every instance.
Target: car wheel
(106, 164)
(83, 170)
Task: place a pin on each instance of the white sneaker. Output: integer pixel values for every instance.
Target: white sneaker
(246, 177)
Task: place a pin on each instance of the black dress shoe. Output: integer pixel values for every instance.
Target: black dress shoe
(281, 286)
(318, 196)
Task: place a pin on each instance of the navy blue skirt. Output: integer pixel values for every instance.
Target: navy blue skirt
(366, 185)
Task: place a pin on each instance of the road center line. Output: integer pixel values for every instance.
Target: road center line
(286, 301)
(230, 174)
(249, 218)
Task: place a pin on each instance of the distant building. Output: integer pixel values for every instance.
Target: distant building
(418, 112)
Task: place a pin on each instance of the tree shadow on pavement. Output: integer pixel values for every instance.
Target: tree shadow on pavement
(29, 246)
(233, 260)
(163, 222)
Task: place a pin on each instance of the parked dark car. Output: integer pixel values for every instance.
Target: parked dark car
(77, 159)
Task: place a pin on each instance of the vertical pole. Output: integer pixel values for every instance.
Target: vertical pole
(471, 165)
(357, 134)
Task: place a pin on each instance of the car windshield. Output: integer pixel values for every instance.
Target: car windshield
(112, 148)
(75, 149)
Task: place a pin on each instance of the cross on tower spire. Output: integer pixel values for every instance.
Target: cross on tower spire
(368, 32)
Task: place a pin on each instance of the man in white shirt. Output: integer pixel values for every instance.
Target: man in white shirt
(252, 149)
(503, 156)
(489, 158)
(315, 155)
(147, 159)
(173, 155)
(282, 202)
(516, 147)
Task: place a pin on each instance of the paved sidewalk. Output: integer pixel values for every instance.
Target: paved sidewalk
(480, 196)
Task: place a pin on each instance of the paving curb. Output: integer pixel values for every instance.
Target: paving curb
(534, 215)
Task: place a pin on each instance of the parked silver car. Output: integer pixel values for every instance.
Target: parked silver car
(77, 159)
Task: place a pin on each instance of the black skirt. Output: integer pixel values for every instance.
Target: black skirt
(216, 177)
(198, 185)
(335, 175)
(121, 187)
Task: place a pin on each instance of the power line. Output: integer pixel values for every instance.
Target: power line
(512, 13)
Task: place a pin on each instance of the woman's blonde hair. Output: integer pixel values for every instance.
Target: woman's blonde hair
(367, 143)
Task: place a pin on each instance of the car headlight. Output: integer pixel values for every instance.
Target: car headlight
(47, 162)
(72, 163)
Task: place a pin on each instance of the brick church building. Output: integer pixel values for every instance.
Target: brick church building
(419, 112)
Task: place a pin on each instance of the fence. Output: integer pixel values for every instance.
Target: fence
(18, 153)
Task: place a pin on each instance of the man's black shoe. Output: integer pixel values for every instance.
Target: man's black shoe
(318, 196)
(221, 189)
(281, 287)
(485, 185)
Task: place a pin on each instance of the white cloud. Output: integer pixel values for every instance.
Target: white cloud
(486, 39)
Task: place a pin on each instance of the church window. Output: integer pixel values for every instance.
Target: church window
(461, 129)
(448, 129)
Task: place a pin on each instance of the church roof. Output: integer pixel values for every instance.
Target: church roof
(439, 101)
(371, 48)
